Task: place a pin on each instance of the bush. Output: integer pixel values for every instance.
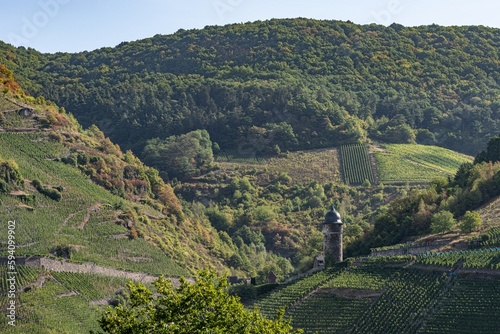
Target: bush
(4, 187)
(70, 160)
(202, 306)
(59, 188)
(57, 137)
(10, 174)
(82, 158)
(63, 251)
(36, 183)
(315, 202)
(52, 193)
(49, 192)
(219, 219)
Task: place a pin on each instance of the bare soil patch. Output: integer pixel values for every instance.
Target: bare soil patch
(18, 193)
(68, 294)
(24, 206)
(94, 208)
(76, 247)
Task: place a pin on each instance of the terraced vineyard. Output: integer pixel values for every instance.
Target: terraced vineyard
(55, 223)
(356, 165)
(416, 163)
(341, 300)
(327, 313)
(488, 258)
(52, 308)
(395, 163)
(90, 286)
(403, 306)
(486, 239)
(61, 302)
(24, 277)
(290, 294)
(374, 296)
(472, 306)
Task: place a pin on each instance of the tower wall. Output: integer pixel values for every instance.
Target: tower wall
(332, 243)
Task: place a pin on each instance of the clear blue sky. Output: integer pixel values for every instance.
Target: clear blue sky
(77, 25)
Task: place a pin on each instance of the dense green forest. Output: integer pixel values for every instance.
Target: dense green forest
(264, 87)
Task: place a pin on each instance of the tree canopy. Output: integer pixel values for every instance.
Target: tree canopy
(442, 222)
(201, 307)
(180, 156)
(470, 222)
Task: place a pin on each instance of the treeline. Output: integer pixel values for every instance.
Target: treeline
(265, 87)
(445, 200)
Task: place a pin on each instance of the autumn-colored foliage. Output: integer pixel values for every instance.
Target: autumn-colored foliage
(7, 79)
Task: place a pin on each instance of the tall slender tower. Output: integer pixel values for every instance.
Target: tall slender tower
(332, 242)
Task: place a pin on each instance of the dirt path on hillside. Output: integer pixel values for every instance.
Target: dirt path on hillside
(373, 165)
(65, 222)
(92, 209)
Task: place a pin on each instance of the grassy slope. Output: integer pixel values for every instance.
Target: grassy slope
(416, 163)
(303, 167)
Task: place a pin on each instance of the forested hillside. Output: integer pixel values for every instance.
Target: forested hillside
(264, 87)
(268, 87)
(74, 191)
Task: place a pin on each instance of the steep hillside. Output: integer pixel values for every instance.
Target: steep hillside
(294, 84)
(74, 194)
(49, 302)
(84, 217)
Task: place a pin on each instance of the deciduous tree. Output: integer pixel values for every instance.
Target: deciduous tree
(201, 307)
(442, 222)
(470, 222)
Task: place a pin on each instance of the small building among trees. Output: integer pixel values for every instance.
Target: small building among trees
(271, 277)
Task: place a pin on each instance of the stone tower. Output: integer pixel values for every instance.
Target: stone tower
(332, 242)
